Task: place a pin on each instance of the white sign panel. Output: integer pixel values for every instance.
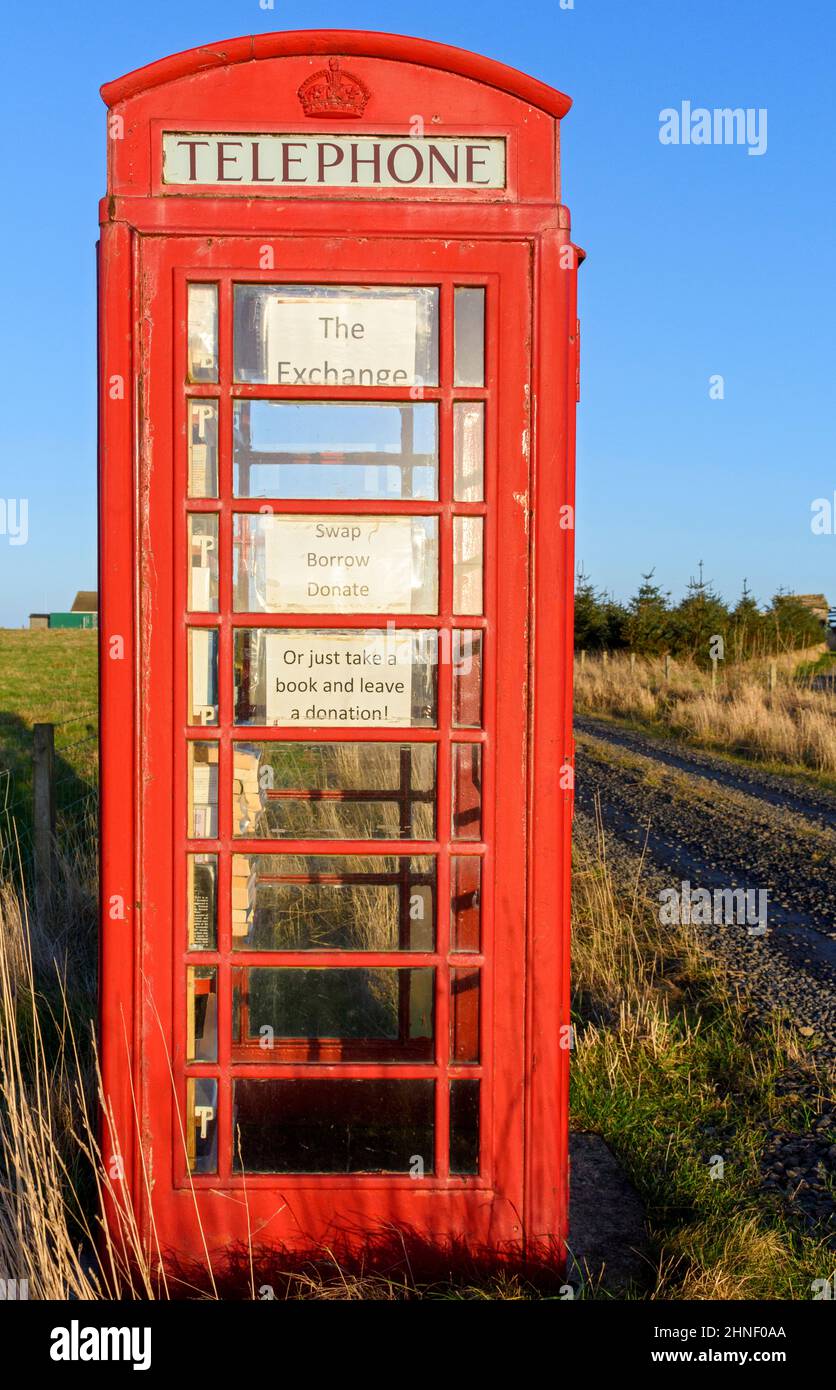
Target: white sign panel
(243, 160)
(339, 678)
(333, 342)
(338, 564)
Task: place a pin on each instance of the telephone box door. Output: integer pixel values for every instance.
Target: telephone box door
(333, 546)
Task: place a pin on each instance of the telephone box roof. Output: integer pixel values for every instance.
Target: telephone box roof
(349, 42)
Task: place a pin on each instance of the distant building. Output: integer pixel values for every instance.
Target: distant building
(817, 603)
(84, 613)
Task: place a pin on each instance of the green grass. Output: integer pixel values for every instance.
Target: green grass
(48, 677)
(679, 1071)
(825, 665)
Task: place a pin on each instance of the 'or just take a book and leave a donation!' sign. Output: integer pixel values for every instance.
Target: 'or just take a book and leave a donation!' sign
(339, 677)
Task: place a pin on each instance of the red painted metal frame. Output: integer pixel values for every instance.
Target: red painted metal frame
(505, 270)
(522, 250)
(398, 48)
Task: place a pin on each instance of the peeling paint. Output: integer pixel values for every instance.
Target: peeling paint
(521, 498)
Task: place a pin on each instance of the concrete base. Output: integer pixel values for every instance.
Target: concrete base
(608, 1240)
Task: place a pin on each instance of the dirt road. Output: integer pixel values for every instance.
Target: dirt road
(716, 825)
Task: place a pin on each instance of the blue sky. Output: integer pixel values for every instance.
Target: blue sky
(703, 260)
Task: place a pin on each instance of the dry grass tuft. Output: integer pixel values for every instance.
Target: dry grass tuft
(39, 1104)
(791, 724)
(721, 1262)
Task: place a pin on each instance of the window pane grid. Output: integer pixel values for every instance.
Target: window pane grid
(469, 714)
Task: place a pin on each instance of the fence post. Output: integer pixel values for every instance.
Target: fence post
(583, 656)
(773, 675)
(605, 656)
(667, 667)
(632, 662)
(43, 808)
(713, 673)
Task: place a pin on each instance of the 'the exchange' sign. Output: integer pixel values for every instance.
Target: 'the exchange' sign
(332, 161)
(341, 342)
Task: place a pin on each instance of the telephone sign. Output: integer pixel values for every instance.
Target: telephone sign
(338, 357)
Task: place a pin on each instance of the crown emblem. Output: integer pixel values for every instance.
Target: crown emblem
(334, 93)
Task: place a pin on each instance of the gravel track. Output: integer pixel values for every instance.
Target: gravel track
(698, 817)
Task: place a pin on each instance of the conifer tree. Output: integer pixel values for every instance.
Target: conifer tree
(791, 625)
(648, 626)
(746, 630)
(700, 617)
(590, 618)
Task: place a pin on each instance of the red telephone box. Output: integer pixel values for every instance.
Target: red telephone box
(339, 360)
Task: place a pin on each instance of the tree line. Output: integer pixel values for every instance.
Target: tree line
(651, 625)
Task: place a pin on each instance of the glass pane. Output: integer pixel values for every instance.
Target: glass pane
(202, 1123)
(307, 677)
(337, 450)
(287, 902)
(469, 367)
(203, 790)
(203, 448)
(203, 902)
(334, 791)
(336, 335)
(467, 791)
(467, 679)
(464, 1127)
(335, 564)
(469, 451)
(203, 675)
(201, 1013)
(467, 564)
(332, 1015)
(464, 1014)
(203, 332)
(203, 566)
(330, 1126)
(465, 888)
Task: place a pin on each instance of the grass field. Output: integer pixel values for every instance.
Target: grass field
(47, 677)
(791, 727)
(669, 1065)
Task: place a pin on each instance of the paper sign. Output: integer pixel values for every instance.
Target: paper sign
(341, 342)
(338, 564)
(339, 678)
